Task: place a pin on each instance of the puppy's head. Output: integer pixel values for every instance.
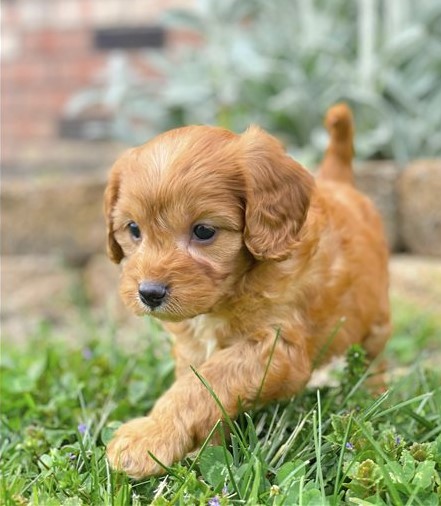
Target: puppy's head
(190, 212)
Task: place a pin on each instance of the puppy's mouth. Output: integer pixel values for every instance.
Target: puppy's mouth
(167, 312)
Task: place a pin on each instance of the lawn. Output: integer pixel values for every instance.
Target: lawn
(60, 403)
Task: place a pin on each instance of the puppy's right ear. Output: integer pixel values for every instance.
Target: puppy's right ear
(110, 198)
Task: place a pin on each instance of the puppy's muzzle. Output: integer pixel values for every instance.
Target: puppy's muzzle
(152, 294)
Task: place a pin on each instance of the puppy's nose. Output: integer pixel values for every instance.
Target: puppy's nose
(152, 294)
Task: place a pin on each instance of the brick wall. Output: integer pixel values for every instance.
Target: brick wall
(49, 54)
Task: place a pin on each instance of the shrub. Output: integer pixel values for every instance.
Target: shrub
(282, 64)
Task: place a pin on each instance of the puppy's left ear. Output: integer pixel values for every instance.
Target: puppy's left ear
(278, 192)
(114, 250)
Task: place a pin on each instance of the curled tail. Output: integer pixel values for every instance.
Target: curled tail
(337, 162)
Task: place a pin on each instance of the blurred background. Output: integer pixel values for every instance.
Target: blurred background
(84, 79)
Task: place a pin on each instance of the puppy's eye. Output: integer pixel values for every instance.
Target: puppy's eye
(134, 230)
(203, 232)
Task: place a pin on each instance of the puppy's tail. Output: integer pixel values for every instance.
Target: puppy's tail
(337, 162)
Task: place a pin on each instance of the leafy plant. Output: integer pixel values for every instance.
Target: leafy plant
(282, 64)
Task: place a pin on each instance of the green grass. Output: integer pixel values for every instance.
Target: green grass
(60, 403)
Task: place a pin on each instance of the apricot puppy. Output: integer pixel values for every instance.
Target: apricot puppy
(251, 264)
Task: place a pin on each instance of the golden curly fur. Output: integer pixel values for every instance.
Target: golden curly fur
(283, 259)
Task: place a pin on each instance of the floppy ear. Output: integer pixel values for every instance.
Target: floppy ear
(278, 191)
(114, 250)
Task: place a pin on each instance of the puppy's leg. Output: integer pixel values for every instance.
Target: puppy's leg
(374, 344)
(182, 418)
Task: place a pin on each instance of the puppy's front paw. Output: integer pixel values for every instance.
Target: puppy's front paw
(129, 449)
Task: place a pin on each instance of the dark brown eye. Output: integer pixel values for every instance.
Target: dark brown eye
(203, 232)
(134, 231)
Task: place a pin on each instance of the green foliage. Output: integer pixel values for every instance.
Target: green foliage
(282, 64)
(415, 333)
(60, 404)
(55, 404)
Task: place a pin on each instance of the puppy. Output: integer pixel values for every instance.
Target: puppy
(252, 265)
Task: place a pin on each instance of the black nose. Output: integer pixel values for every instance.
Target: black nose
(152, 294)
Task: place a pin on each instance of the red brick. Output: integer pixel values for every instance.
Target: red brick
(70, 72)
(68, 14)
(77, 72)
(9, 14)
(178, 38)
(142, 66)
(38, 101)
(9, 151)
(49, 41)
(28, 128)
(24, 73)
